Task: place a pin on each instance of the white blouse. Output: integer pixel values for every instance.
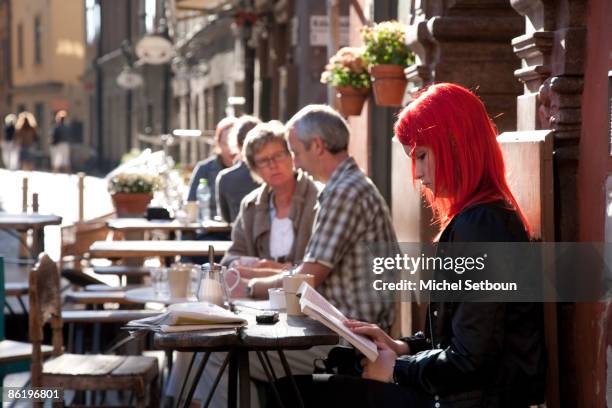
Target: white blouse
(281, 234)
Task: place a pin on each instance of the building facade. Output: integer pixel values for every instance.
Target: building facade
(47, 56)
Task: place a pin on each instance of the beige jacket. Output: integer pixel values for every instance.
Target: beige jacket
(251, 231)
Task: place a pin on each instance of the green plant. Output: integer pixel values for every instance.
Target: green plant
(133, 183)
(385, 43)
(347, 68)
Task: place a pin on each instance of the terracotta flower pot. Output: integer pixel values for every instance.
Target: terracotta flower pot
(389, 84)
(131, 204)
(351, 99)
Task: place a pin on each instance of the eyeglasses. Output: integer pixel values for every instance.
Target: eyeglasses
(275, 158)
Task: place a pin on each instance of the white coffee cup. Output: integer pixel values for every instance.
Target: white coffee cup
(291, 283)
(276, 298)
(179, 280)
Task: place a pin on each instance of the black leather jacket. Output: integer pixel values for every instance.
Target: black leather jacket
(479, 354)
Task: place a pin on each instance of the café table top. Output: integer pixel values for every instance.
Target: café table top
(26, 221)
(148, 295)
(142, 224)
(126, 249)
(289, 333)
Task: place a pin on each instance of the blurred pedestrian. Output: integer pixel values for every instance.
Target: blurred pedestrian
(9, 155)
(60, 146)
(26, 136)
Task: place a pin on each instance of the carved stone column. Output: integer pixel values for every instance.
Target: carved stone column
(468, 43)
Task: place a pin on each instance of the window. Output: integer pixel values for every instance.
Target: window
(150, 7)
(20, 45)
(37, 40)
(92, 18)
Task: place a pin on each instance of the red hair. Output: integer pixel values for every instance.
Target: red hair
(469, 165)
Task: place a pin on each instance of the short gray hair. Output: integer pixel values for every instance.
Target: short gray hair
(324, 122)
(260, 136)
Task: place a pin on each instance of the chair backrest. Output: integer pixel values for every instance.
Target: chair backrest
(45, 306)
(77, 238)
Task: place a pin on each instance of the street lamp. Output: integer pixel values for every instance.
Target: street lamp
(154, 49)
(129, 79)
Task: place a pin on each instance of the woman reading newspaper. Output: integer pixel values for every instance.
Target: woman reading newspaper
(472, 354)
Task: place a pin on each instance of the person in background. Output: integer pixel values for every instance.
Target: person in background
(60, 143)
(235, 182)
(474, 354)
(26, 136)
(209, 169)
(8, 157)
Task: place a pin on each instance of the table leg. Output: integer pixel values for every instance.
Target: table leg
(245, 378)
(232, 383)
(288, 373)
(196, 379)
(38, 241)
(217, 379)
(271, 379)
(186, 379)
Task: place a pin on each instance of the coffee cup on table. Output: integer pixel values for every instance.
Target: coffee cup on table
(179, 280)
(291, 284)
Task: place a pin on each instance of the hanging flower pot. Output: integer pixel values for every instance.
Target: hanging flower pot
(347, 71)
(351, 99)
(387, 55)
(389, 84)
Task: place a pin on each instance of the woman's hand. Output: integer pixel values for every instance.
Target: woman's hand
(258, 269)
(378, 335)
(382, 368)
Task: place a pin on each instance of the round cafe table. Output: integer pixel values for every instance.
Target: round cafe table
(148, 295)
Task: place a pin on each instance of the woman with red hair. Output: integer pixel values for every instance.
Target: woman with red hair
(472, 354)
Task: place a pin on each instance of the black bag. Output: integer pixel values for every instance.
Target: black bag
(340, 360)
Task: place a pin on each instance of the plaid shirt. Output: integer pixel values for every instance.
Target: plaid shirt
(352, 214)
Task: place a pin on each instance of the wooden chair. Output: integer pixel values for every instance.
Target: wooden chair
(74, 371)
(15, 356)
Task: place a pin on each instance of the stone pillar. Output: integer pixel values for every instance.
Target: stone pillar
(468, 43)
(553, 52)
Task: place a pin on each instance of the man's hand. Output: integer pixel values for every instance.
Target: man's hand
(378, 335)
(382, 368)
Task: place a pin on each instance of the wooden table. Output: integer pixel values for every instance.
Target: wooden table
(127, 249)
(148, 295)
(129, 225)
(36, 222)
(290, 333)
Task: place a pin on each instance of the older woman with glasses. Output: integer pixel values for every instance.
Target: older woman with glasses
(275, 220)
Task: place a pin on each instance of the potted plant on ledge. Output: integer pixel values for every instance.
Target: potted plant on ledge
(387, 55)
(132, 192)
(347, 72)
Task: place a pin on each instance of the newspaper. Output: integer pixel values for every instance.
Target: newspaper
(318, 308)
(189, 316)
